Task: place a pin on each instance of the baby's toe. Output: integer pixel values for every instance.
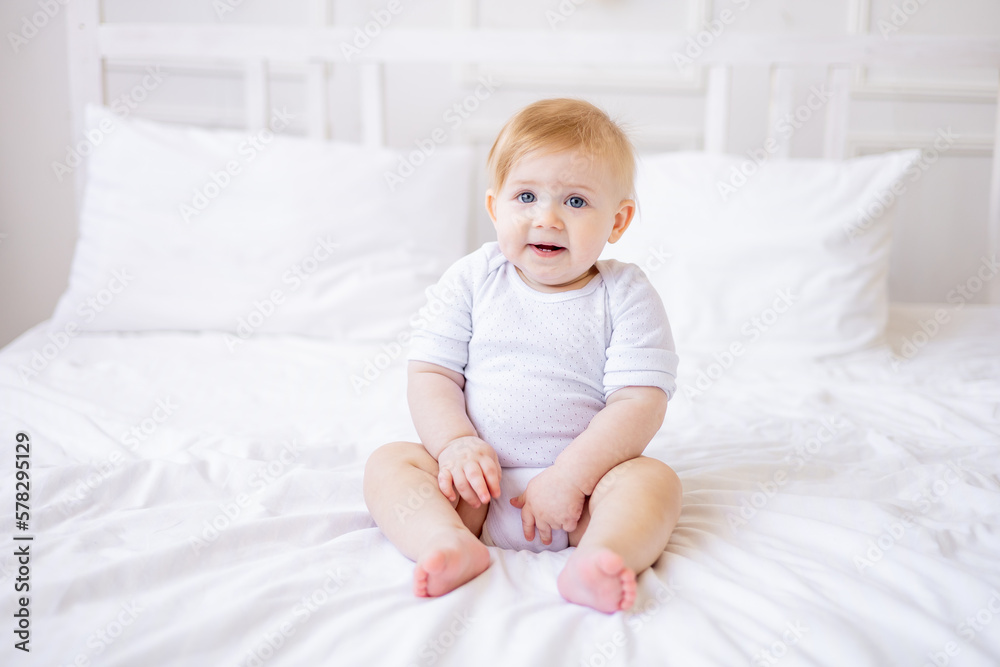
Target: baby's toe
(628, 589)
(420, 582)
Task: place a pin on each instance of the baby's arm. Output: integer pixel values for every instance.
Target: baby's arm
(618, 433)
(437, 406)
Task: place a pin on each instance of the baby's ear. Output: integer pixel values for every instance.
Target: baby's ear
(623, 218)
(491, 205)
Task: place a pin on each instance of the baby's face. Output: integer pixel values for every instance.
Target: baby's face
(554, 215)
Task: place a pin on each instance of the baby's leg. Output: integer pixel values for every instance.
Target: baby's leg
(402, 495)
(623, 531)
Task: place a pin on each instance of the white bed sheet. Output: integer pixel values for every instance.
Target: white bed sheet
(276, 435)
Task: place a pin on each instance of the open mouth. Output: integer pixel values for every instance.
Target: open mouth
(547, 248)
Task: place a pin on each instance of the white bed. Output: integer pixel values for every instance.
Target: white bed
(282, 425)
(196, 493)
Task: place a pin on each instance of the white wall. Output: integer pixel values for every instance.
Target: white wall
(939, 240)
(36, 211)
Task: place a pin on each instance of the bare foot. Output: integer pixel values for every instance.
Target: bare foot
(453, 560)
(598, 579)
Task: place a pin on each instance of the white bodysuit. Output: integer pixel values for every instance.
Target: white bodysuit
(539, 366)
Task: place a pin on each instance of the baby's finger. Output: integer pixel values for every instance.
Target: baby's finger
(474, 474)
(466, 491)
(445, 484)
(528, 524)
(518, 501)
(492, 472)
(545, 531)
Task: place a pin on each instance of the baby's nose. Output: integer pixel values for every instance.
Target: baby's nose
(549, 217)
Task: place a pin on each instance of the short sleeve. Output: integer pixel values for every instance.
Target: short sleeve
(443, 327)
(641, 350)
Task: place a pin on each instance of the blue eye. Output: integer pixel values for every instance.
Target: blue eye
(526, 198)
(576, 202)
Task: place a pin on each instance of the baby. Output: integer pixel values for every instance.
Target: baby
(537, 376)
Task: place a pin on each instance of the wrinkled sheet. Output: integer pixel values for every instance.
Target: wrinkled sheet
(196, 505)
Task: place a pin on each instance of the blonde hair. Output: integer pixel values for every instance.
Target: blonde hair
(559, 124)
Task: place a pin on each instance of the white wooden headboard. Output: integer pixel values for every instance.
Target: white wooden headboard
(255, 49)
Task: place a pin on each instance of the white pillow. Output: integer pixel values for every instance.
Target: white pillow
(188, 229)
(785, 259)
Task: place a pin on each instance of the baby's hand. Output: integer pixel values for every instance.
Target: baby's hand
(469, 465)
(550, 502)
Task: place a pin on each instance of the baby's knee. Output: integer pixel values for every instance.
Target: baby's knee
(643, 472)
(395, 454)
(656, 469)
(664, 477)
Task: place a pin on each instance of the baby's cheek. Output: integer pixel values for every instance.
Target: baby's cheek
(524, 215)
